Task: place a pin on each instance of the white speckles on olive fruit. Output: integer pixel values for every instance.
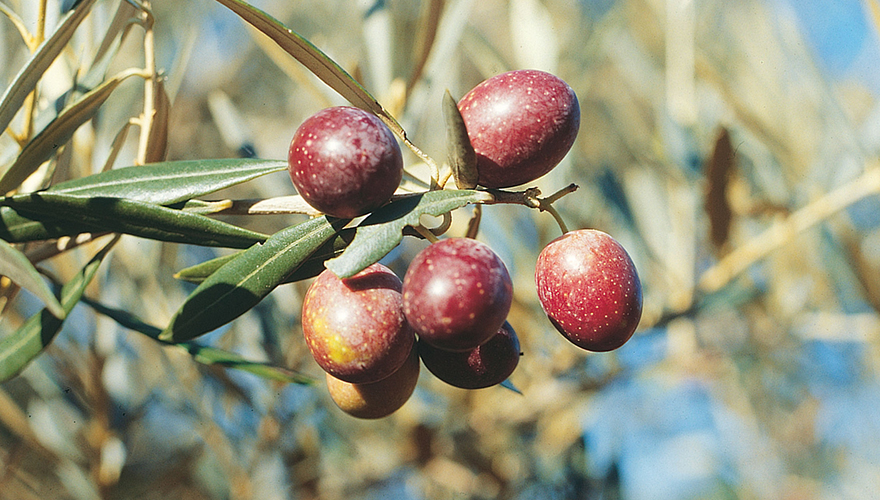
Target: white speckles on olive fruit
(521, 124)
(355, 328)
(344, 162)
(457, 293)
(590, 289)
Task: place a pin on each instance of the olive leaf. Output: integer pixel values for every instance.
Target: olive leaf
(459, 150)
(315, 60)
(22, 346)
(21, 228)
(171, 182)
(157, 141)
(426, 33)
(379, 233)
(245, 280)
(309, 269)
(15, 266)
(26, 79)
(120, 215)
(201, 353)
(57, 133)
(17, 21)
(114, 35)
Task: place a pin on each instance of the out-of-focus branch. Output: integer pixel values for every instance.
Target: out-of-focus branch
(786, 230)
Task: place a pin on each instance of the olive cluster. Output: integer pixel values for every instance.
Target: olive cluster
(369, 332)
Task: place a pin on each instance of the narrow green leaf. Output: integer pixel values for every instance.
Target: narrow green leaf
(15, 266)
(202, 354)
(213, 356)
(114, 34)
(26, 79)
(309, 269)
(379, 233)
(57, 133)
(200, 272)
(244, 281)
(314, 59)
(459, 150)
(119, 215)
(171, 182)
(20, 228)
(22, 346)
(507, 384)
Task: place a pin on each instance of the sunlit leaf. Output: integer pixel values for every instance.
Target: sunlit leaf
(114, 34)
(22, 346)
(202, 354)
(146, 220)
(26, 79)
(309, 269)
(56, 134)
(169, 182)
(379, 233)
(157, 141)
(429, 22)
(314, 59)
(244, 281)
(460, 152)
(17, 21)
(15, 266)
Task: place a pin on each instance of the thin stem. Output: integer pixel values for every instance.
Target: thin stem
(552, 211)
(571, 188)
(146, 119)
(441, 184)
(41, 25)
(426, 233)
(444, 226)
(435, 170)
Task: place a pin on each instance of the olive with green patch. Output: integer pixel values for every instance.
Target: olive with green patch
(354, 327)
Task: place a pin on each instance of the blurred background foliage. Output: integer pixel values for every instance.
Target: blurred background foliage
(731, 146)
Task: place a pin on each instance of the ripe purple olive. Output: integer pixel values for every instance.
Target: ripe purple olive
(344, 162)
(354, 327)
(590, 290)
(377, 399)
(521, 124)
(484, 366)
(456, 294)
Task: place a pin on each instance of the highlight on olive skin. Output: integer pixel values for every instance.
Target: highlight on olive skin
(521, 124)
(590, 289)
(457, 293)
(345, 162)
(354, 327)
